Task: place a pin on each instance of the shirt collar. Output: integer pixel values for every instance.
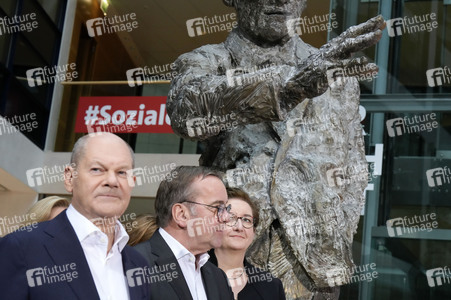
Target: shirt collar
(179, 250)
(83, 228)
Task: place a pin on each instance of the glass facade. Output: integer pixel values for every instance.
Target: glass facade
(405, 230)
(30, 39)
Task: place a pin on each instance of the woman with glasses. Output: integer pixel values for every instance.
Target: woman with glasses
(247, 281)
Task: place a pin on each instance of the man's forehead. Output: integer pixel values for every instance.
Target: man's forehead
(99, 149)
(209, 185)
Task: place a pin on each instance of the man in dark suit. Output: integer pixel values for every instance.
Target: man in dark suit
(191, 209)
(82, 253)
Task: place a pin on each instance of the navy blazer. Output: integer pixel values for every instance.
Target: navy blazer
(48, 263)
(163, 262)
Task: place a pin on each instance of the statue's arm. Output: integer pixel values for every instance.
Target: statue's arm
(207, 87)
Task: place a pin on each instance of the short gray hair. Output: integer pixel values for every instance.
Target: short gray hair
(176, 188)
(79, 149)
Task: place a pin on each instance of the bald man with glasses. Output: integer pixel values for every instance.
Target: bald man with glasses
(191, 210)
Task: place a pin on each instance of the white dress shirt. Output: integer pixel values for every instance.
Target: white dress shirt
(106, 268)
(187, 262)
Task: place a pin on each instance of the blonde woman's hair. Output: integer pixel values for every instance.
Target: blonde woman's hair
(143, 228)
(42, 209)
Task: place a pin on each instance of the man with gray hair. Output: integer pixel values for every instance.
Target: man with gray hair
(82, 253)
(191, 209)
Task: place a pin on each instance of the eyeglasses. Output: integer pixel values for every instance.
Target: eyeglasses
(222, 211)
(247, 222)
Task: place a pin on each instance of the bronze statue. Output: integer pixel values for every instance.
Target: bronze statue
(287, 133)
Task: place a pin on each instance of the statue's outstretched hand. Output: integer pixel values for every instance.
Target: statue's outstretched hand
(310, 80)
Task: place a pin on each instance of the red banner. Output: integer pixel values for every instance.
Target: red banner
(123, 115)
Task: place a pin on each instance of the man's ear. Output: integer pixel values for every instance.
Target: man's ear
(69, 175)
(229, 3)
(180, 215)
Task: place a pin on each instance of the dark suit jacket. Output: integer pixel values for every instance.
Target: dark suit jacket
(160, 256)
(261, 285)
(28, 260)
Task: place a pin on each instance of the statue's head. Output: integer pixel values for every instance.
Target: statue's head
(265, 21)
